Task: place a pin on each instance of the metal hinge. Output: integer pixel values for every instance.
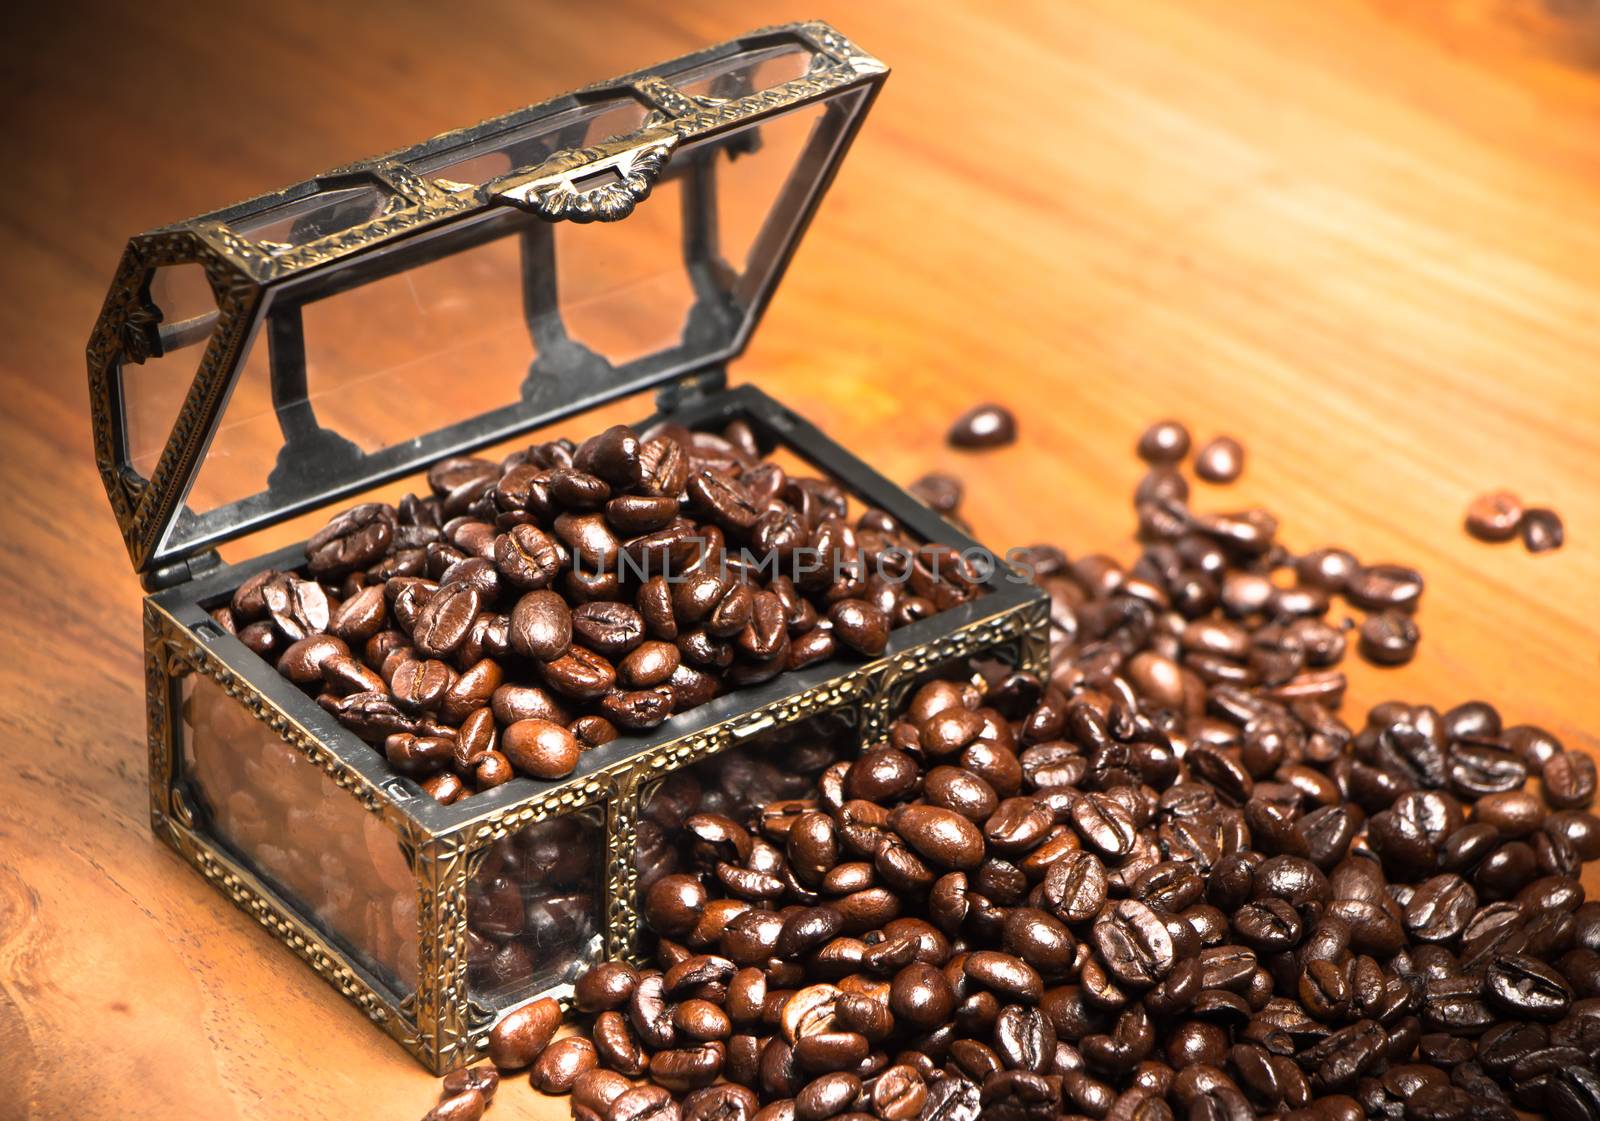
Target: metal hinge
(181, 572)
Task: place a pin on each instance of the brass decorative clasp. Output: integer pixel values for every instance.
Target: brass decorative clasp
(598, 184)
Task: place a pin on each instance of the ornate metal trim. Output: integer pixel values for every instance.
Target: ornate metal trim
(144, 507)
(552, 191)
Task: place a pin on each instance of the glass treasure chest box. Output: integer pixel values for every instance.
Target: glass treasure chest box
(428, 749)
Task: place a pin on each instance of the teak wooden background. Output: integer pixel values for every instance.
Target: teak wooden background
(1362, 236)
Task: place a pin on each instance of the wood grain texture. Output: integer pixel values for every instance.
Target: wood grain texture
(1363, 237)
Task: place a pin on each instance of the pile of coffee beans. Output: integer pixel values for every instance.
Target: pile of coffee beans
(527, 610)
(1169, 880)
(1499, 515)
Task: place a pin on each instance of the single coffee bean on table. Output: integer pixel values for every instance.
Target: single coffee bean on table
(1167, 880)
(983, 426)
(1220, 460)
(1164, 443)
(1542, 530)
(1495, 516)
(1389, 638)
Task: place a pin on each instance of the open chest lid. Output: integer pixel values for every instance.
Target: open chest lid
(277, 356)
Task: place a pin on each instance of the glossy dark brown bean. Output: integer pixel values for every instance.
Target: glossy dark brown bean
(921, 996)
(522, 1034)
(617, 1045)
(899, 1093)
(983, 426)
(1075, 886)
(541, 625)
(942, 836)
(1220, 460)
(561, 1064)
(1378, 587)
(1133, 943)
(1389, 638)
(1542, 530)
(1164, 442)
(1494, 516)
(605, 986)
(540, 749)
(464, 1105)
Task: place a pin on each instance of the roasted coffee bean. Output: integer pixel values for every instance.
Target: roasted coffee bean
(921, 996)
(1568, 778)
(579, 674)
(1164, 442)
(540, 749)
(523, 1033)
(605, 986)
(1379, 587)
(1007, 975)
(673, 903)
(303, 662)
(1440, 908)
(1495, 516)
(1220, 460)
(465, 1105)
(541, 626)
(860, 626)
(983, 426)
(484, 1079)
(1133, 943)
(1542, 530)
(616, 1044)
(942, 836)
(444, 621)
(644, 1103)
(1527, 988)
(1075, 886)
(561, 1064)
(899, 1093)
(1389, 638)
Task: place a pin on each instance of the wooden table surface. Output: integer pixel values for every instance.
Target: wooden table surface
(1364, 237)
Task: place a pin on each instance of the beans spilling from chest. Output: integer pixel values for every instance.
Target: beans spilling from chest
(1168, 879)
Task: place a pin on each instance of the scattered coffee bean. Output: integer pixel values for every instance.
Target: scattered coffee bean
(1165, 442)
(1495, 516)
(983, 426)
(1220, 460)
(1389, 638)
(1542, 530)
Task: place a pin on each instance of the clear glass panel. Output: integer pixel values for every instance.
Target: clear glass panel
(534, 908)
(776, 765)
(316, 216)
(407, 353)
(746, 73)
(749, 184)
(334, 862)
(153, 391)
(385, 363)
(532, 143)
(648, 313)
